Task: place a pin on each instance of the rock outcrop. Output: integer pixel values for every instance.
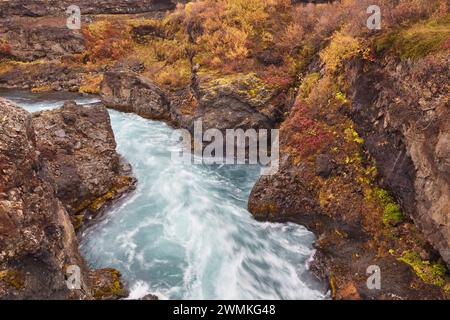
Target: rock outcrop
(45, 76)
(37, 239)
(79, 150)
(239, 102)
(32, 39)
(38, 8)
(404, 118)
(129, 92)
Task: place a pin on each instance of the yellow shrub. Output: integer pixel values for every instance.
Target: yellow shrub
(342, 47)
(173, 76)
(308, 83)
(91, 84)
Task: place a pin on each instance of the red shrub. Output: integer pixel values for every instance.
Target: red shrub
(107, 40)
(302, 134)
(5, 48)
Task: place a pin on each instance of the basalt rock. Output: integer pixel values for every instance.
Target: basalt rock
(49, 161)
(33, 39)
(241, 102)
(107, 284)
(129, 92)
(79, 151)
(37, 240)
(49, 76)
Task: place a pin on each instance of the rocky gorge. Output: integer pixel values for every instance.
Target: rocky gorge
(364, 124)
(58, 169)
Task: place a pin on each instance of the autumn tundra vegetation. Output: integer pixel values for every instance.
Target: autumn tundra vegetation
(363, 115)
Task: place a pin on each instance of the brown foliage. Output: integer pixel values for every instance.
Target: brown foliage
(107, 40)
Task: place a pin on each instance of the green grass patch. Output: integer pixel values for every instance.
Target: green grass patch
(429, 272)
(418, 40)
(392, 213)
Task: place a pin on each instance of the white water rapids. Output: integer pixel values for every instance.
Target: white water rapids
(185, 232)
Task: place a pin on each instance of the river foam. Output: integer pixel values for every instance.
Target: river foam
(185, 232)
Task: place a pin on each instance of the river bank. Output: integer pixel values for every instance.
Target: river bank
(363, 115)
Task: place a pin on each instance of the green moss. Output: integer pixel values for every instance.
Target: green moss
(391, 210)
(77, 221)
(429, 272)
(308, 84)
(417, 41)
(100, 201)
(392, 213)
(352, 135)
(341, 97)
(96, 204)
(386, 42)
(112, 288)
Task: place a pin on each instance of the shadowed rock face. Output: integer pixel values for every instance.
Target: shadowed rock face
(49, 161)
(402, 112)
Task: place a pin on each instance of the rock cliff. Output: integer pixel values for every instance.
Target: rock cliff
(38, 8)
(37, 237)
(402, 112)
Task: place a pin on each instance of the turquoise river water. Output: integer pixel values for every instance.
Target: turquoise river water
(185, 232)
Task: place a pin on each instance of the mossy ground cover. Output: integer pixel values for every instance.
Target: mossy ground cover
(418, 40)
(431, 272)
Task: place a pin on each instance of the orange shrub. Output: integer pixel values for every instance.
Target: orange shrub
(5, 48)
(107, 40)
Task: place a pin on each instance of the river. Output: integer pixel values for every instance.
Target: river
(185, 232)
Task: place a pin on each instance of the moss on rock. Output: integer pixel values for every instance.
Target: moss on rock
(107, 284)
(13, 278)
(430, 272)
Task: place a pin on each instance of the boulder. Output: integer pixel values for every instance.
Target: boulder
(130, 92)
(78, 148)
(37, 240)
(51, 162)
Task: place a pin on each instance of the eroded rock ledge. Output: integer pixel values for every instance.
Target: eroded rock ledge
(78, 148)
(240, 101)
(52, 161)
(38, 8)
